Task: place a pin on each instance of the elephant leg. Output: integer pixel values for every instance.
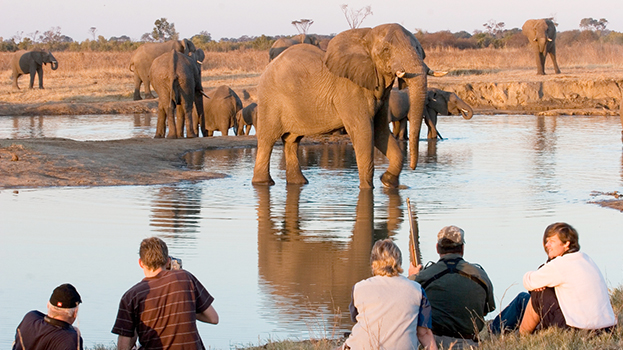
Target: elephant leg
(40, 73)
(148, 94)
(261, 171)
(180, 115)
(396, 128)
(162, 120)
(137, 87)
(15, 76)
(172, 134)
(32, 79)
(294, 176)
(188, 117)
(387, 144)
(540, 65)
(552, 55)
(361, 135)
(402, 130)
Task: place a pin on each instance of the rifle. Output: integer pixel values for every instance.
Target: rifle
(414, 240)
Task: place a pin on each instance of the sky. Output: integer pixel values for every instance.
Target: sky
(235, 18)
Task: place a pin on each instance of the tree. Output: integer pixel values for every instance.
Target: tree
(356, 17)
(93, 30)
(302, 26)
(52, 36)
(494, 28)
(593, 24)
(164, 31)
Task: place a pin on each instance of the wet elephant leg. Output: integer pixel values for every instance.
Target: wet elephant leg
(552, 56)
(361, 135)
(294, 176)
(187, 118)
(162, 121)
(261, 171)
(387, 144)
(172, 134)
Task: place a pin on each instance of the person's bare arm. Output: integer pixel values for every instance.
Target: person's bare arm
(426, 338)
(126, 343)
(209, 315)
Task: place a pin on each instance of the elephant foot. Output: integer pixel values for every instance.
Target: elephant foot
(268, 182)
(137, 98)
(298, 180)
(159, 136)
(171, 136)
(149, 96)
(390, 180)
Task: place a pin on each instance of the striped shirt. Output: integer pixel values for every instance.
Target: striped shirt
(162, 310)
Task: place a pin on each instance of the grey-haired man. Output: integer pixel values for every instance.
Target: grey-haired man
(460, 293)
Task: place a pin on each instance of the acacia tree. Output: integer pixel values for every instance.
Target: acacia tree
(593, 24)
(163, 31)
(494, 28)
(356, 17)
(302, 25)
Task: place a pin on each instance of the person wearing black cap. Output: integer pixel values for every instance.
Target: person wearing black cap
(460, 293)
(53, 331)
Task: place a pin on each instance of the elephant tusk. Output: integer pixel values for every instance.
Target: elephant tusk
(204, 94)
(199, 62)
(548, 39)
(400, 73)
(439, 74)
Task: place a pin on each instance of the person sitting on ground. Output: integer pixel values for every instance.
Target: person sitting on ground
(568, 291)
(53, 331)
(391, 311)
(162, 310)
(460, 293)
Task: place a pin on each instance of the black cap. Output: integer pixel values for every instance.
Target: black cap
(65, 296)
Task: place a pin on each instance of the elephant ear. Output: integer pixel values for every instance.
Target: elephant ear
(37, 56)
(188, 46)
(348, 56)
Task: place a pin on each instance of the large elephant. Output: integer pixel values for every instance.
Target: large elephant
(143, 57)
(246, 118)
(306, 91)
(31, 62)
(176, 77)
(220, 111)
(281, 44)
(542, 36)
(438, 102)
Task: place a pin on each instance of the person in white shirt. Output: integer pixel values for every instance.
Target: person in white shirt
(568, 291)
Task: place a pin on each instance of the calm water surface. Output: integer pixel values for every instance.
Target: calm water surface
(281, 261)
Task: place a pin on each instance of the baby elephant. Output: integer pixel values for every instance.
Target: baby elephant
(246, 118)
(31, 62)
(437, 102)
(220, 111)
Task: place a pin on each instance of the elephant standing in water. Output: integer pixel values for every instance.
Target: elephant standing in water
(281, 44)
(177, 80)
(143, 57)
(246, 118)
(542, 36)
(31, 62)
(438, 102)
(220, 111)
(306, 91)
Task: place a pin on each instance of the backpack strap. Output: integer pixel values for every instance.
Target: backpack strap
(451, 267)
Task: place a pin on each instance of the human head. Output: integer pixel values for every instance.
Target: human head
(386, 258)
(566, 233)
(450, 239)
(64, 302)
(154, 253)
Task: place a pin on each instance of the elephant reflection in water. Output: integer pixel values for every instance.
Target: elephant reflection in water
(142, 120)
(308, 270)
(226, 158)
(176, 211)
(34, 129)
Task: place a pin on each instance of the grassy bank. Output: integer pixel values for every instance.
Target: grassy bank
(104, 76)
(551, 339)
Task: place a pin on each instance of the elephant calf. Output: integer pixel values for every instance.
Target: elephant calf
(220, 111)
(438, 102)
(246, 118)
(31, 62)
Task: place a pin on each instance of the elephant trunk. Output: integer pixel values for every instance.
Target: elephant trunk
(465, 109)
(417, 101)
(54, 65)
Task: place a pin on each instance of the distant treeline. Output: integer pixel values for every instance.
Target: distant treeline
(54, 41)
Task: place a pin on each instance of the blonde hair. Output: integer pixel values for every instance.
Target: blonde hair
(386, 258)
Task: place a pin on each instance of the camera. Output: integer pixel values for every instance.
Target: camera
(175, 264)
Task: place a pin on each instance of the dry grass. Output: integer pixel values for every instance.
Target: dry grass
(104, 76)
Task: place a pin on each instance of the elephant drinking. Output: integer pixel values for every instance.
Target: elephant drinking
(306, 91)
(31, 62)
(542, 36)
(246, 118)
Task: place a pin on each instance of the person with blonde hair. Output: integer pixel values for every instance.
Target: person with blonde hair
(391, 311)
(53, 331)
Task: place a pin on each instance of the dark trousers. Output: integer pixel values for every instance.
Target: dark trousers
(509, 319)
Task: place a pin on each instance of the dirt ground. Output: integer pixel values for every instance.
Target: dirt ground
(50, 162)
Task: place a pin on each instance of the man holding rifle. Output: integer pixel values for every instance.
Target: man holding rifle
(460, 293)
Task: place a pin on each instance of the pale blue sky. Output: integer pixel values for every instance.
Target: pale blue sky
(235, 18)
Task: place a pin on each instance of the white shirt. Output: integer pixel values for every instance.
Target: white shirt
(580, 289)
(388, 309)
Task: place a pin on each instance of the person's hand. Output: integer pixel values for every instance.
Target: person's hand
(414, 270)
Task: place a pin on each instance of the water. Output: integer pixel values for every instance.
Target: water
(281, 261)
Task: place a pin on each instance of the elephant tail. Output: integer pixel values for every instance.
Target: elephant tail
(131, 67)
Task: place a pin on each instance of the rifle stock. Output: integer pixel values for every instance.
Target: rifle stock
(414, 239)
